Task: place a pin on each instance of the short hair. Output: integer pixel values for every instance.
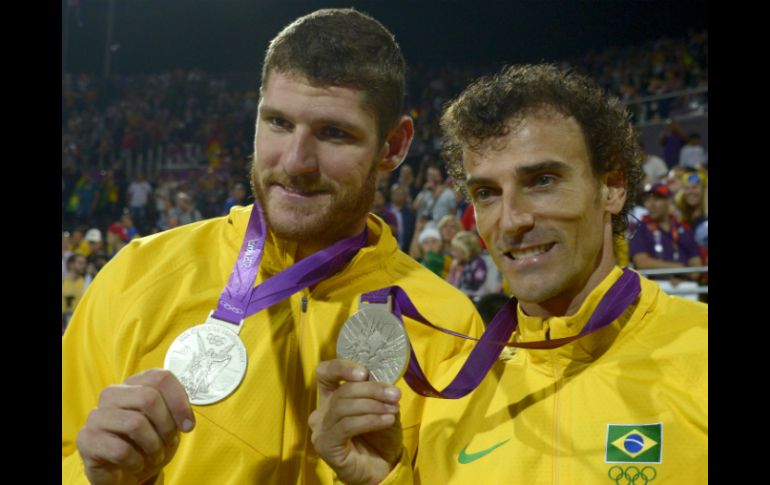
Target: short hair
(448, 219)
(467, 241)
(493, 105)
(71, 259)
(344, 47)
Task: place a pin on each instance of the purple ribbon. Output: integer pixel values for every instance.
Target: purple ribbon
(240, 299)
(612, 305)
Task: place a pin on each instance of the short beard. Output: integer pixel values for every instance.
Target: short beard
(329, 226)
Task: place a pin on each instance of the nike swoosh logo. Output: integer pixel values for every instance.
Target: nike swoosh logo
(464, 458)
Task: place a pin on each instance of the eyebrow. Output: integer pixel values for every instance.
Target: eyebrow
(546, 166)
(526, 170)
(268, 111)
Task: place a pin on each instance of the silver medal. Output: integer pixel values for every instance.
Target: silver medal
(376, 339)
(209, 360)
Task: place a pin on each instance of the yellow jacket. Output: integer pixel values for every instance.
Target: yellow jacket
(628, 404)
(160, 285)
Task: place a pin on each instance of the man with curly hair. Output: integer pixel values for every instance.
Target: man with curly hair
(607, 378)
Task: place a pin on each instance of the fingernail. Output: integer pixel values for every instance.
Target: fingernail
(392, 393)
(391, 408)
(388, 418)
(359, 373)
(187, 425)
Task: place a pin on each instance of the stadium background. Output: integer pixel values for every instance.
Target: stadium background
(168, 88)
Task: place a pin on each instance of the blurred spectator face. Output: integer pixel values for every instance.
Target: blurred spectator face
(76, 237)
(459, 253)
(434, 176)
(65, 241)
(94, 238)
(449, 231)
(78, 265)
(693, 192)
(398, 195)
(431, 244)
(239, 192)
(657, 207)
(316, 158)
(183, 202)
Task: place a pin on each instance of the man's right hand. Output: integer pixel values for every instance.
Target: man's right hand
(356, 429)
(134, 431)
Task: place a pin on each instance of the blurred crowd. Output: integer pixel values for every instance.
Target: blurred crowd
(146, 153)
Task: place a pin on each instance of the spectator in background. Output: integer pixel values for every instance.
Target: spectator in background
(468, 271)
(72, 286)
(401, 208)
(406, 180)
(431, 253)
(94, 240)
(139, 191)
(66, 252)
(127, 221)
(109, 197)
(94, 263)
(674, 179)
(448, 226)
(185, 212)
(672, 139)
(84, 198)
(662, 241)
(692, 155)
(117, 237)
(77, 242)
(436, 199)
(381, 210)
(655, 169)
(237, 197)
(690, 200)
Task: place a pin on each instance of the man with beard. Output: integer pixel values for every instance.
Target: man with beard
(277, 280)
(608, 378)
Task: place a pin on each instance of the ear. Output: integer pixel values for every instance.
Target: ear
(614, 191)
(397, 144)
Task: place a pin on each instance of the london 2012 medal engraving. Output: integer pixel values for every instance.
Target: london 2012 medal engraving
(209, 360)
(376, 339)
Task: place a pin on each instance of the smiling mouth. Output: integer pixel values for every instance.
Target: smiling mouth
(518, 255)
(298, 190)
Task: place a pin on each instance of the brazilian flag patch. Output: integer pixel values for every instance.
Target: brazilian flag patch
(634, 443)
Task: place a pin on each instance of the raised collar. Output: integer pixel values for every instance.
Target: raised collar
(588, 348)
(280, 253)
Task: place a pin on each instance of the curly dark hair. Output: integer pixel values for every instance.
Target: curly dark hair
(493, 105)
(344, 47)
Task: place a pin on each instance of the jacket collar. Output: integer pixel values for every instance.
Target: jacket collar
(279, 253)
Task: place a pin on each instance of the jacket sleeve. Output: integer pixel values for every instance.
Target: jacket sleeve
(402, 474)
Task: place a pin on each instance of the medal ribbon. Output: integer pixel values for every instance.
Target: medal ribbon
(612, 305)
(240, 299)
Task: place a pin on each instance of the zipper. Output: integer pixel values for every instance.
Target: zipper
(556, 414)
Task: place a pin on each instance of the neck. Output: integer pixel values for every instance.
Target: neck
(308, 248)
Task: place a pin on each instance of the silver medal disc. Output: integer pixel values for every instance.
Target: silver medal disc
(376, 339)
(209, 360)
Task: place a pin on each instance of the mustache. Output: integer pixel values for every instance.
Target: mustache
(303, 183)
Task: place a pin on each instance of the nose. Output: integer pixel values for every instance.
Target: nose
(516, 218)
(299, 156)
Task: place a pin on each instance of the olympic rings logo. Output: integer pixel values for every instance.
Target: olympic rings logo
(632, 475)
